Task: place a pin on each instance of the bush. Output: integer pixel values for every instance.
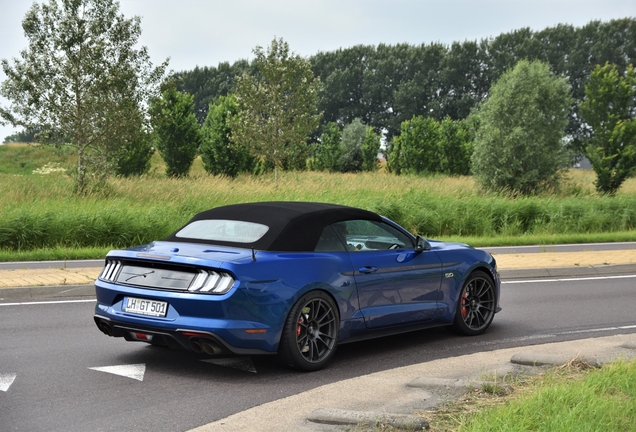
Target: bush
(456, 147)
(327, 151)
(219, 154)
(353, 136)
(176, 130)
(519, 143)
(370, 149)
(417, 149)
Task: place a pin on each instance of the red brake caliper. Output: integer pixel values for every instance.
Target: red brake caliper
(464, 303)
(300, 321)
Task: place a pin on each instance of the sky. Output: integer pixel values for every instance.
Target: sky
(206, 32)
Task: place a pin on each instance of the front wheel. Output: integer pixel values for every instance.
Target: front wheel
(476, 305)
(310, 334)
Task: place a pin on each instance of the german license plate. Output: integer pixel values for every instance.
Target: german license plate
(145, 307)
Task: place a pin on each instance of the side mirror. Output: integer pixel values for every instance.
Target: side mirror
(421, 244)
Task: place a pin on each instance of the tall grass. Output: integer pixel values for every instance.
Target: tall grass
(600, 400)
(41, 211)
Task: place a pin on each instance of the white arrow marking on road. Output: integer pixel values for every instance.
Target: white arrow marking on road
(134, 371)
(242, 363)
(6, 381)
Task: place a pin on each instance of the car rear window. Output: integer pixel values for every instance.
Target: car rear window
(223, 230)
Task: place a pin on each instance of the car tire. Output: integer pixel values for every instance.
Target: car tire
(475, 305)
(310, 334)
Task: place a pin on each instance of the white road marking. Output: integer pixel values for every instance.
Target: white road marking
(6, 380)
(629, 327)
(568, 279)
(543, 336)
(47, 302)
(134, 371)
(242, 363)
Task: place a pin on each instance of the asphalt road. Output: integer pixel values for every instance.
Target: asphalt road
(50, 355)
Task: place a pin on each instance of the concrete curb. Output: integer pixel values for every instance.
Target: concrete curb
(335, 416)
(629, 345)
(18, 265)
(45, 292)
(448, 386)
(533, 359)
(443, 383)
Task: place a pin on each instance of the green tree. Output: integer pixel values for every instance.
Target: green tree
(387, 67)
(456, 147)
(136, 152)
(353, 136)
(327, 151)
(609, 109)
(79, 80)
(519, 144)
(370, 149)
(385, 85)
(277, 106)
(342, 77)
(416, 150)
(25, 137)
(176, 130)
(208, 83)
(220, 155)
(393, 156)
(126, 131)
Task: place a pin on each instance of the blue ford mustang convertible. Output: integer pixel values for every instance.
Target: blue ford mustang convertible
(293, 279)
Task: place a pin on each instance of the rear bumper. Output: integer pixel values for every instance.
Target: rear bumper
(181, 338)
(230, 321)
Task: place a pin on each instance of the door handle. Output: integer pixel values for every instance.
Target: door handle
(368, 269)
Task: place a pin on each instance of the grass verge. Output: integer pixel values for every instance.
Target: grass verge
(574, 397)
(41, 216)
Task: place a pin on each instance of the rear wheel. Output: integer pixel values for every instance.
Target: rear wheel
(310, 334)
(476, 305)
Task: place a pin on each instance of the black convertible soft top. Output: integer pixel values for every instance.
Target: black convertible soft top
(293, 226)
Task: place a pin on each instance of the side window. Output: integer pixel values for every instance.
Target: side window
(330, 241)
(365, 235)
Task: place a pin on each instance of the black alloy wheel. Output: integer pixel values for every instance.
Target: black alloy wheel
(476, 304)
(310, 334)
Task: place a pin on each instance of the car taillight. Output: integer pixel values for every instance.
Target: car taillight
(109, 274)
(209, 281)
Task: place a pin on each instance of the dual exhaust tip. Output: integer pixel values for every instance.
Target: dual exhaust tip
(208, 347)
(105, 328)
